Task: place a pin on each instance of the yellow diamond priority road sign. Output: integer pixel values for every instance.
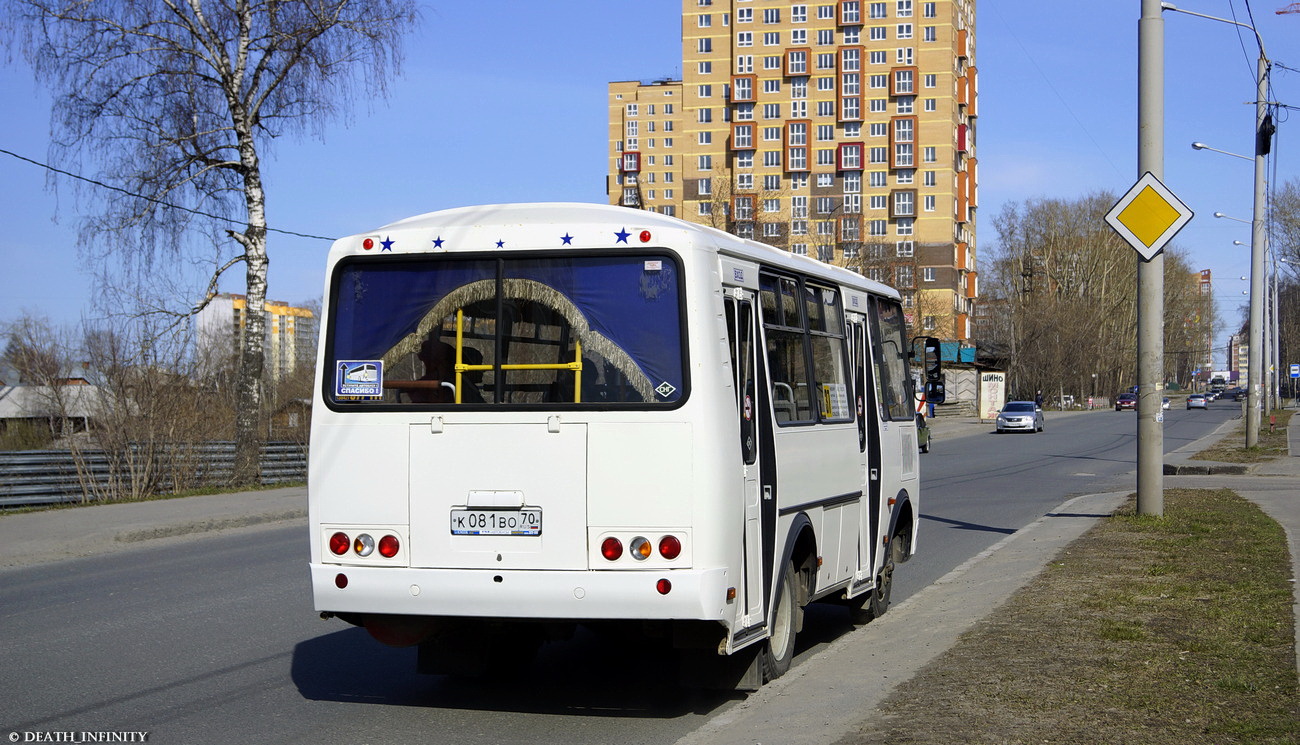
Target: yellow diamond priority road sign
(1148, 216)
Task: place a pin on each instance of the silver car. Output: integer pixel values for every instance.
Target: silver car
(1020, 416)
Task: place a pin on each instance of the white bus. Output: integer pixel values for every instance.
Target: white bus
(530, 417)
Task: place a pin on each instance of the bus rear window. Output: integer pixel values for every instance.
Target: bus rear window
(526, 331)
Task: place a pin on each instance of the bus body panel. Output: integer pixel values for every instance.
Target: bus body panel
(602, 472)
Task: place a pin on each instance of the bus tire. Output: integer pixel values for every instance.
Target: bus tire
(778, 652)
(879, 596)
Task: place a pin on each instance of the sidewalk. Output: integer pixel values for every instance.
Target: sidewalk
(39, 537)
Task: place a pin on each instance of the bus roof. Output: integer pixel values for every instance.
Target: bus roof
(578, 225)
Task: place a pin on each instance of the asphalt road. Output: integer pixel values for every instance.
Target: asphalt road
(214, 639)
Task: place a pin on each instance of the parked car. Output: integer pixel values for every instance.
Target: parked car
(1126, 401)
(1198, 401)
(1020, 416)
(923, 434)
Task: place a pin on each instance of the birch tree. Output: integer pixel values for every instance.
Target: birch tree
(175, 102)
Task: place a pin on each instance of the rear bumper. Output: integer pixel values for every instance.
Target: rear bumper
(558, 595)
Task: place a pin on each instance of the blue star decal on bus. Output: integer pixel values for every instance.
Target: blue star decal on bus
(387, 244)
(622, 235)
(437, 242)
(501, 244)
(568, 239)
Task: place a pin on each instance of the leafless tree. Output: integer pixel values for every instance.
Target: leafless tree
(1067, 285)
(177, 101)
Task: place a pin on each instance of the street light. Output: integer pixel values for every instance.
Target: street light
(1263, 135)
(1203, 146)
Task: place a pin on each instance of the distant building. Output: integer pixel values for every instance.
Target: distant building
(840, 130)
(290, 331)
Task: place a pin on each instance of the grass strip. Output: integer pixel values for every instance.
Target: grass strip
(1144, 630)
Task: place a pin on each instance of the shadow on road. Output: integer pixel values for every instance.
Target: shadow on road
(589, 675)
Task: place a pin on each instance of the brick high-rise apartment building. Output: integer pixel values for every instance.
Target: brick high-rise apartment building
(839, 129)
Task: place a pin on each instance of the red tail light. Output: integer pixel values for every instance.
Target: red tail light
(340, 543)
(669, 547)
(664, 586)
(388, 546)
(611, 548)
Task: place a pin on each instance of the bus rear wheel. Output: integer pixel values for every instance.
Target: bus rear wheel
(778, 653)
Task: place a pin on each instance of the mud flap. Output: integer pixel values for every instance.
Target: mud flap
(708, 670)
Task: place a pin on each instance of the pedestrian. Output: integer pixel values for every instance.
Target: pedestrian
(1038, 399)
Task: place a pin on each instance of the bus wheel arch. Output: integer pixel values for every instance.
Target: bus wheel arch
(792, 594)
(901, 522)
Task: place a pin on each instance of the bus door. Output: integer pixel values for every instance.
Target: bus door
(864, 396)
(742, 342)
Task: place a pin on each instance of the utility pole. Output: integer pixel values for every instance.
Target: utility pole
(1151, 273)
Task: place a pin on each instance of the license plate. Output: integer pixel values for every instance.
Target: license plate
(525, 521)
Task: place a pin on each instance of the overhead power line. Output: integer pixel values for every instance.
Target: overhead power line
(159, 202)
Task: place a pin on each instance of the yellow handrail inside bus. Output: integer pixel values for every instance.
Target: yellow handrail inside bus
(461, 367)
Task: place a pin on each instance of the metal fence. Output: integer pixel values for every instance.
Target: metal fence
(32, 477)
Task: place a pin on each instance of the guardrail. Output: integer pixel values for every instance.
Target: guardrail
(34, 477)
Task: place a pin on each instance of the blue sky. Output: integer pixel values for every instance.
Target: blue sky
(1057, 85)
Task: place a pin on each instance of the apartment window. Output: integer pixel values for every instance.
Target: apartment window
(772, 159)
(745, 112)
(744, 64)
(879, 155)
(744, 15)
(771, 134)
(799, 36)
(798, 109)
(929, 156)
(744, 208)
(797, 158)
(879, 201)
(704, 163)
(877, 11)
(704, 68)
(796, 62)
(799, 14)
(878, 227)
(825, 179)
(931, 179)
(704, 116)
(904, 55)
(852, 183)
(745, 39)
(851, 108)
(929, 203)
(705, 138)
(771, 15)
(904, 8)
(904, 30)
(800, 249)
(850, 156)
(853, 204)
(850, 12)
(929, 323)
(771, 111)
(632, 128)
(745, 182)
(852, 35)
(879, 179)
(825, 205)
(825, 253)
(903, 226)
(903, 276)
(771, 205)
(705, 208)
(771, 230)
(850, 60)
(905, 104)
(705, 91)
(928, 10)
(704, 20)
(878, 57)
(904, 204)
(771, 38)
(879, 82)
(930, 104)
(931, 33)
(704, 186)
(903, 82)
(825, 12)
(931, 81)
(631, 109)
(704, 46)
(745, 159)
(742, 136)
(826, 157)
(772, 182)
(668, 109)
(879, 33)
(799, 207)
